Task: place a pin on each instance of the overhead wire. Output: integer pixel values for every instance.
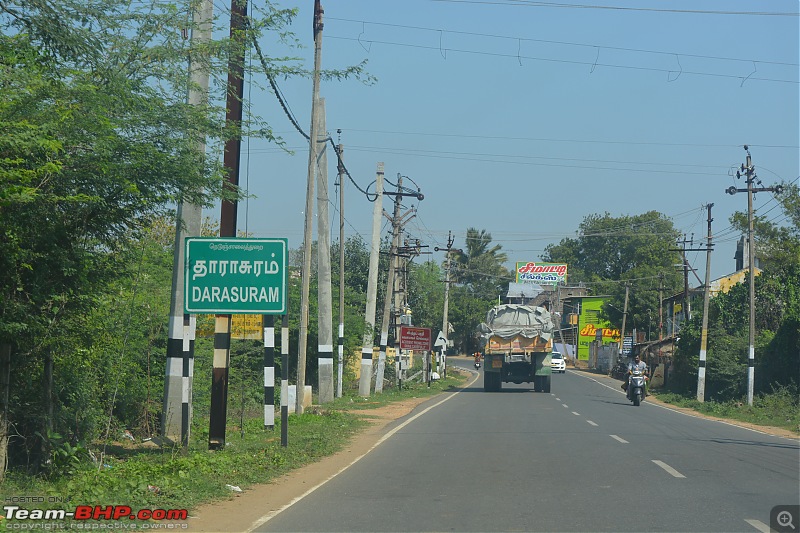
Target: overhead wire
(293, 120)
(564, 43)
(593, 64)
(535, 3)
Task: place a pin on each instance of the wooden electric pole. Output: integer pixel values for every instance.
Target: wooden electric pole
(227, 223)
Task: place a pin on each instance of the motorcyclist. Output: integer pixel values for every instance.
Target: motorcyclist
(477, 356)
(641, 366)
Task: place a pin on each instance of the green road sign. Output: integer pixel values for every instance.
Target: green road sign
(227, 276)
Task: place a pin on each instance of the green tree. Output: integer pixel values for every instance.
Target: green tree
(426, 295)
(98, 141)
(480, 266)
(611, 252)
(777, 305)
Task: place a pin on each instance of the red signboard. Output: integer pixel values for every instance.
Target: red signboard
(415, 338)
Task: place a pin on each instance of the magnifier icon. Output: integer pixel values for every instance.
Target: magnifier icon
(785, 519)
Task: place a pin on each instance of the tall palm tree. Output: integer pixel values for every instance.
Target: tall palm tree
(479, 267)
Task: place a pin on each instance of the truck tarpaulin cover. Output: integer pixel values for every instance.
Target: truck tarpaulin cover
(510, 320)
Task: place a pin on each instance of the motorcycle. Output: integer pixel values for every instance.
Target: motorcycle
(636, 387)
(477, 365)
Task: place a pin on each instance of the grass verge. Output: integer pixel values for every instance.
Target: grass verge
(780, 408)
(143, 477)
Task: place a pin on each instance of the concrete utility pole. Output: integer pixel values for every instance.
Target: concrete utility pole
(750, 174)
(227, 226)
(398, 221)
(445, 310)
(624, 319)
(307, 233)
(177, 410)
(387, 301)
(687, 309)
(701, 370)
(340, 168)
(372, 288)
(324, 293)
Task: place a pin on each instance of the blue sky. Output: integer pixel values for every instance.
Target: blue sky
(521, 118)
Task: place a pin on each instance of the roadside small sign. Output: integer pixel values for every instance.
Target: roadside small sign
(441, 340)
(227, 276)
(417, 339)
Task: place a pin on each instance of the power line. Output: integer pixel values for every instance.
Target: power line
(563, 43)
(593, 64)
(533, 3)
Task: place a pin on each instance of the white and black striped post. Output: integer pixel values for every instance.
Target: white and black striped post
(219, 382)
(340, 366)
(179, 373)
(285, 379)
(269, 371)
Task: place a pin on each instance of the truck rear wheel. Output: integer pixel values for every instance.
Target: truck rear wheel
(541, 383)
(492, 381)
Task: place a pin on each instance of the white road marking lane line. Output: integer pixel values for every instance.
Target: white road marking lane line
(576, 414)
(620, 439)
(592, 423)
(668, 468)
(758, 524)
(565, 406)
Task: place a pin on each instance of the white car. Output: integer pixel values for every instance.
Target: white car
(557, 362)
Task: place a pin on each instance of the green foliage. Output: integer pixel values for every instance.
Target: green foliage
(479, 266)
(778, 407)
(777, 340)
(145, 477)
(632, 249)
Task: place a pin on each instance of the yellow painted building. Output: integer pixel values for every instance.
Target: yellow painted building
(355, 362)
(724, 284)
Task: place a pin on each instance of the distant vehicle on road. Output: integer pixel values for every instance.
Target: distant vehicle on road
(557, 362)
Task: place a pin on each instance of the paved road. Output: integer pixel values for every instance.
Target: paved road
(581, 458)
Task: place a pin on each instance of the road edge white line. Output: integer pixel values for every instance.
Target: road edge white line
(272, 514)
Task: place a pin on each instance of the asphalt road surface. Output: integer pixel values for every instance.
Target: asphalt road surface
(581, 458)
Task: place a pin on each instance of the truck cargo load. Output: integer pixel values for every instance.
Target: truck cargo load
(517, 341)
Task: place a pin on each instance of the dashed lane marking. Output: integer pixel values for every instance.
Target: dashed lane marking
(668, 468)
(592, 423)
(758, 524)
(620, 439)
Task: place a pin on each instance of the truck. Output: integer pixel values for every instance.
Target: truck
(517, 341)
